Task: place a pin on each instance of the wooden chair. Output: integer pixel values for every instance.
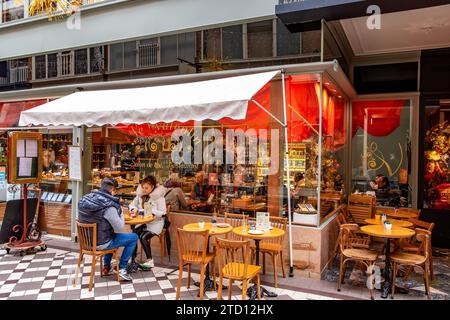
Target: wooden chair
(233, 257)
(358, 240)
(360, 207)
(274, 248)
(162, 239)
(235, 220)
(348, 252)
(420, 259)
(415, 212)
(87, 237)
(413, 245)
(193, 249)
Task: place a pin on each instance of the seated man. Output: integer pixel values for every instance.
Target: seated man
(201, 194)
(102, 208)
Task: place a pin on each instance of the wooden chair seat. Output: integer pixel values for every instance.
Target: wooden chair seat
(233, 259)
(197, 258)
(407, 258)
(267, 247)
(360, 243)
(361, 254)
(252, 270)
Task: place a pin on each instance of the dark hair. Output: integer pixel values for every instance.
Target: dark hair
(299, 176)
(108, 184)
(151, 180)
(385, 182)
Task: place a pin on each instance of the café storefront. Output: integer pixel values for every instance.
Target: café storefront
(129, 133)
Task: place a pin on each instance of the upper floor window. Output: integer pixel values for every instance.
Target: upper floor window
(68, 63)
(212, 44)
(287, 43)
(232, 42)
(12, 10)
(260, 39)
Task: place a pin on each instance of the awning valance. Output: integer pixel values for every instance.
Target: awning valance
(212, 99)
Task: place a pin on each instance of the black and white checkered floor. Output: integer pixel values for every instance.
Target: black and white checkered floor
(49, 276)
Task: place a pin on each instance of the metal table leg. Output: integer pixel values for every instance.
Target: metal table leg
(252, 292)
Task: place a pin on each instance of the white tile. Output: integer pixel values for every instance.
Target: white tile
(22, 265)
(17, 293)
(156, 292)
(170, 295)
(53, 272)
(130, 290)
(48, 284)
(143, 294)
(115, 297)
(101, 298)
(311, 296)
(60, 289)
(45, 296)
(164, 284)
(15, 276)
(38, 279)
(299, 296)
(31, 292)
(25, 280)
(101, 284)
(140, 281)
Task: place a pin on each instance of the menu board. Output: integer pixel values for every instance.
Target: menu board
(25, 158)
(262, 221)
(75, 171)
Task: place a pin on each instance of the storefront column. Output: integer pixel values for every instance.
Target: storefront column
(77, 186)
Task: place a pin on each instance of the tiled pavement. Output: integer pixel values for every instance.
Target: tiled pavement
(49, 275)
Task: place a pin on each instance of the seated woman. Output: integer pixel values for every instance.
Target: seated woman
(297, 198)
(151, 200)
(174, 194)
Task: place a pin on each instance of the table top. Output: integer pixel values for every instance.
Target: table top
(138, 220)
(213, 231)
(402, 215)
(397, 223)
(274, 233)
(394, 233)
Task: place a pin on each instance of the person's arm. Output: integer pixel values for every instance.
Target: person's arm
(134, 205)
(159, 207)
(181, 198)
(116, 221)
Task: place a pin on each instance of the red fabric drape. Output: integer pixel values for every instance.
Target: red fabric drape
(383, 117)
(302, 105)
(10, 111)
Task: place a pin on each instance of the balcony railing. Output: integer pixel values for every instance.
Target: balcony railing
(16, 75)
(148, 54)
(19, 74)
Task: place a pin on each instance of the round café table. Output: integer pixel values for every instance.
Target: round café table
(398, 215)
(213, 231)
(133, 266)
(252, 292)
(394, 233)
(395, 223)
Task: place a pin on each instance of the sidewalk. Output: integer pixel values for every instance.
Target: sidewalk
(49, 275)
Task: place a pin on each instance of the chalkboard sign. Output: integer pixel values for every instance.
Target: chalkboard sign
(25, 157)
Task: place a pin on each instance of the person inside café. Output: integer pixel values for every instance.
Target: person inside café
(174, 194)
(201, 194)
(104, 209)
(151, 200)
(48, 165)
(299, 184)
(381, 186)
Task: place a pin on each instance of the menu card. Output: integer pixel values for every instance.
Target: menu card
(262, 221)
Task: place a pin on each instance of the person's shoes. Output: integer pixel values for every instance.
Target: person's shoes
(106, 271)
(123, 274)
(148, 264)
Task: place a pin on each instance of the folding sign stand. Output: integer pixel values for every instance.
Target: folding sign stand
(31, 236)
(24, 167)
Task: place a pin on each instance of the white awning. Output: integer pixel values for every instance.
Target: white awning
(212, 99)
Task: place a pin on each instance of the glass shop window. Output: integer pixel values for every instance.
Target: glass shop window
(260, 44)
(381, 157)
(232, 42)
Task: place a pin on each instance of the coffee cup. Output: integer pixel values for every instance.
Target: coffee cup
(201, 224)
(388, 225)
